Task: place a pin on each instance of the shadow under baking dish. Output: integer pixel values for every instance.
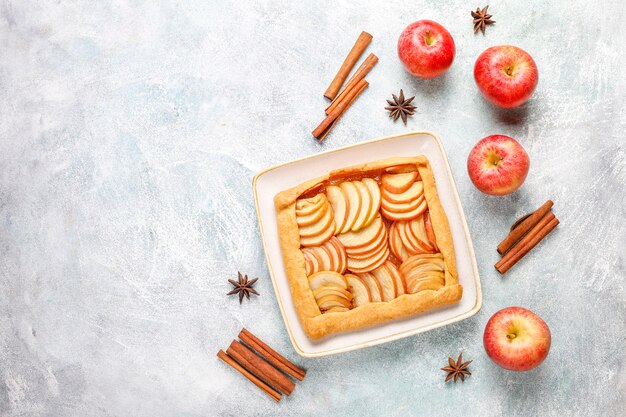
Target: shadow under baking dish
(268, 183)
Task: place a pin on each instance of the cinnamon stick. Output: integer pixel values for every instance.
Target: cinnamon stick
(360, 73)
(521, 229)
(260, 367)
(276, 396)
(330, 121)
(527, 237)
(354, 55)
(340, 115)
(271, 355)
(536, 234)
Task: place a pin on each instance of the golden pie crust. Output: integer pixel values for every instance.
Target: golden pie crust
(317, 325)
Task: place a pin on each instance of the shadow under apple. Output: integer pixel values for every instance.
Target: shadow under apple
(513, 117)
(427, 86)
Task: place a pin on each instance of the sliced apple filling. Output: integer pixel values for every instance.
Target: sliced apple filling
(330, 290)
(366, 249)
(360, 291)
(375, 289)
(347, 247)
(423, 272)
(385, 283)
(331, 256)
(315, 220)
(412, 237)
(355, 204)
(335, 292)
(402, 196)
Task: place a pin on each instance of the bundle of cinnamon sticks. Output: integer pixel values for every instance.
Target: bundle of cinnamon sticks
(262, 365)
(341, 101)
(525, 234)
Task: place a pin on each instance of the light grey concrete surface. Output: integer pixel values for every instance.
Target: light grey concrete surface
(129, 135)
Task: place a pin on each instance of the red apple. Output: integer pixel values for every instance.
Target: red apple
(506, 75)
(517, 339)
(498, 165)
(426, 49)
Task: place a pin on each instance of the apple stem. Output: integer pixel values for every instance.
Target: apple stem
(511, 336)
(428, 38)
(495, 159)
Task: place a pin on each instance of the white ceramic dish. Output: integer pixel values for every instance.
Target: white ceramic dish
(269, 182)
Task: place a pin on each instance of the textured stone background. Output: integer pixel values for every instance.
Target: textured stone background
(131, 130)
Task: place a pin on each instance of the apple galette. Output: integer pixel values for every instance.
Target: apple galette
(366, 244)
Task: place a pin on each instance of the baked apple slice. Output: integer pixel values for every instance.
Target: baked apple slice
(412, 193)
(372, 247)
(307, 206)
(367, 265)
(422, 268)
(374, 190)
(331, 256)
(425, 285)
(369, 254)
(359, 289)
(421, 259)
(309, 219)
(325, 258)
(414, 276)
(310, 258)
(330, 301)
(363, 237)
(376, 291)
(319, 226)
(398, 183)
(439, 276)
(354, 204)
(338, 254)
(410, 228)
(310, 254)
(429, 283)
(425, 267)
(398, 169)
(366, 206)
(336, 291)
(319, 239)
(416, 231)
(401, 207)
(386, 282)
(308, 266)
(336, 310)
(327, 278)
(411, 245)
(339, 204)
(395, 243)
(405, 216)
(430, 232)
(398, 279)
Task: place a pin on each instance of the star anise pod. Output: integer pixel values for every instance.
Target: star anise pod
(243, 286)
(481, 19)
(456, 369)
(400, 107)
